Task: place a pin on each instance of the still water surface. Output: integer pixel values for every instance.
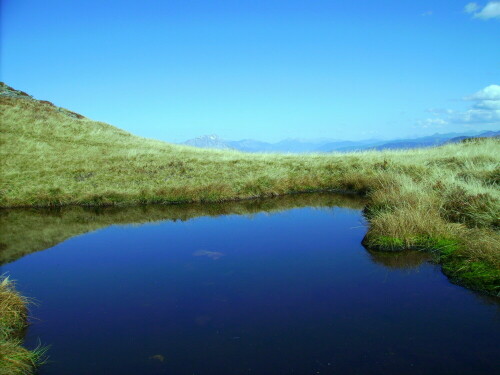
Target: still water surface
(281, 288)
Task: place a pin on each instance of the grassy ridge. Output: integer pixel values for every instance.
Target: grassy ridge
(443, 199)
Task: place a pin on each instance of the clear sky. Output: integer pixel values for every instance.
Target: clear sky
(266, 70)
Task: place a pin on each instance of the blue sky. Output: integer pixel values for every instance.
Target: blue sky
(266, 70)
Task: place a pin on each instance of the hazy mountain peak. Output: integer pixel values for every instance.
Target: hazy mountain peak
(208, 141)
(296, 145)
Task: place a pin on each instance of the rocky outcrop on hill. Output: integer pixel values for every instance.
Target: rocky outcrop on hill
(9, 92)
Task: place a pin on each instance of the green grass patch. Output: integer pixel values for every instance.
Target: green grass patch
(480, 276)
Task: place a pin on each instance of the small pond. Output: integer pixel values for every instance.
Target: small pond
(277, 286)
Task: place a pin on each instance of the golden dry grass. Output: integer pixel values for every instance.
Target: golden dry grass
(444, 199)
(14, 359)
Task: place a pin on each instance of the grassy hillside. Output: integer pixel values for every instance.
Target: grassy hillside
(443, 199)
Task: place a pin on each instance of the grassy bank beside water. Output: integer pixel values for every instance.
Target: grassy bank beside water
(444, 200)
(15, 359)
(441, 200)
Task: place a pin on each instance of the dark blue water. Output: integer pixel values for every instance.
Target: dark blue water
(284, 293)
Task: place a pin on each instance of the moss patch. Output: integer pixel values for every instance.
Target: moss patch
(480, 276)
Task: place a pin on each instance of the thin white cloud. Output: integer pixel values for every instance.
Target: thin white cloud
(488, 104)
(491, 92)
(471, 8)
(432, 123)
(477, 116)
(490, 10)
(427, 14)
(440, 111)
(484, 110)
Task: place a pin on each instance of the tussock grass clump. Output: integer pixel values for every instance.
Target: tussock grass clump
(14, 359)
(433, 199)
(13, 310)
(473, 210)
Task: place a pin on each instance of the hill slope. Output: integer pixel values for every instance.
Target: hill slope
(445, 198)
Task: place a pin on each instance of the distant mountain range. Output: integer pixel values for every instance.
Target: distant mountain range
(329, 145)
(209, 141)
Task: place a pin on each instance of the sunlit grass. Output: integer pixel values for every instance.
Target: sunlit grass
(444, 200)
(434, 199)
